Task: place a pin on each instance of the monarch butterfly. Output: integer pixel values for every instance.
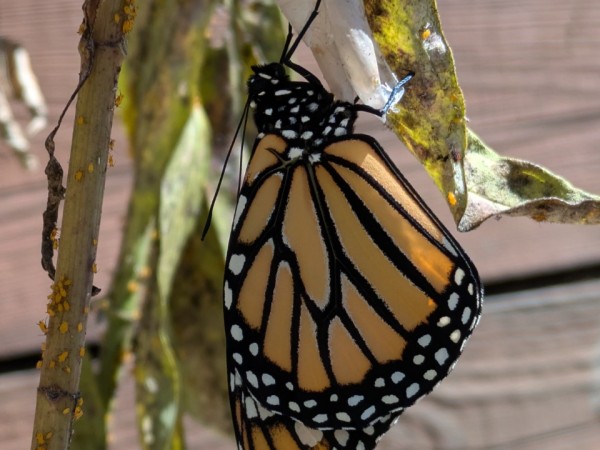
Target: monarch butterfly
(345, 298)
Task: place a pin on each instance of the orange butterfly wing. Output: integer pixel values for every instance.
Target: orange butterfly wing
(345, 298)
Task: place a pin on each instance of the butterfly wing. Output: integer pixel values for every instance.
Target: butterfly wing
(345, 298)
(257, 428)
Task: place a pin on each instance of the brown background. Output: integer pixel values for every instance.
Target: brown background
(530, 377)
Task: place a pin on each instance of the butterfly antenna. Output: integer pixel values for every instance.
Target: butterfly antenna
(313, 15)
(286, 46)
(243, 121)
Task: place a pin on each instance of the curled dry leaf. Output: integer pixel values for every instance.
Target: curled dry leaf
(507, 186)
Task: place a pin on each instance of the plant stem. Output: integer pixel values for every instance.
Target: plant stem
(102, 52)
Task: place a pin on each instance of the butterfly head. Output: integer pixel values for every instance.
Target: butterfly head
(302, 112)
(266, 78)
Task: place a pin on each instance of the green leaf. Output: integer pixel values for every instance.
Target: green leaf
(123, 308)
(431, 118)
(476, 182)
(181, 194)
(508, 186)
(158, 385)
(158, 389)
(196, 310)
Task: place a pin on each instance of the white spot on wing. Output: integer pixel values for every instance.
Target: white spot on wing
(459, 275)
(367, 413)
(236, 263)
(263, 412)
(310, 403)
(430, 374)
(251, 411)
(252, 379)
(241, 206)
(236, 332)
(412, 390)
(390, 399)
(267, 379)
(453, 301)
(455, 336)
(320, 418)
(355, 400)
(289, 134)
(397, 377)
(308, 436)
(342, 437)
(273, 400)
(343, 417)
(441, 356)
(466, 315)
(295, 152)
(443, 321)
(448, 245)
(424, 340)
(314, 158)
(227, 295)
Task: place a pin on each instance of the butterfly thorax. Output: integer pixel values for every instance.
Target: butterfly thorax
(303, 113)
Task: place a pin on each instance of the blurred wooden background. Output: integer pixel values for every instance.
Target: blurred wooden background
(530, 377)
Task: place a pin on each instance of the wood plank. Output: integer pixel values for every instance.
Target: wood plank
(528, 379)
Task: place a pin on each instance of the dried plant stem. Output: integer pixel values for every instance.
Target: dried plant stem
(102, 52)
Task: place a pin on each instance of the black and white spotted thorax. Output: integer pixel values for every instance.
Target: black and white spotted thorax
(303, 113)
